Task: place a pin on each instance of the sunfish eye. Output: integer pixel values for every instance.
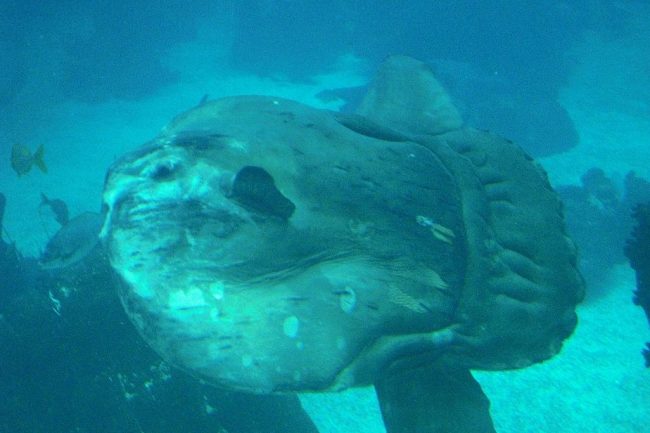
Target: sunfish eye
(163, 171)
(254, 188)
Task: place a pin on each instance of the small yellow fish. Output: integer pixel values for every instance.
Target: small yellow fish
(22, 159)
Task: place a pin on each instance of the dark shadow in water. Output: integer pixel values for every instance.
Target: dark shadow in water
(71, 361)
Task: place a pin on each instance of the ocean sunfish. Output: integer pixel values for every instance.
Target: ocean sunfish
(270, 247)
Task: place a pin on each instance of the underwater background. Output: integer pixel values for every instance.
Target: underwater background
(567, 80)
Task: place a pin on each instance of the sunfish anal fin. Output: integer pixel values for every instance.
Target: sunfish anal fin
(431, 400)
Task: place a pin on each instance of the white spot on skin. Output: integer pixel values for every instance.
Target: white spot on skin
(181, 299)
(214, 314)
(195, 187)
(140, 285)
(217, 290)
(247, 360)
(300, 345)
(340, 343)
(348, 300)
(235, 144)
(290, 326)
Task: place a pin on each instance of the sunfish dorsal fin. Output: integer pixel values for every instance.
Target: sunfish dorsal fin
(406, 97)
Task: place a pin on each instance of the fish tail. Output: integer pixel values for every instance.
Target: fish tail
(38, 159)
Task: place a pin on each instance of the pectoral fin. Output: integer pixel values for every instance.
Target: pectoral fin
(255, 189)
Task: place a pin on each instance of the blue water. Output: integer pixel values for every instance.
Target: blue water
(568, 81)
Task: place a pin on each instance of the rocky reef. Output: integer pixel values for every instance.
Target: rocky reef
(637, 250)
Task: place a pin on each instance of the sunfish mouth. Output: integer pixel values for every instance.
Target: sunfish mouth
(268, 256)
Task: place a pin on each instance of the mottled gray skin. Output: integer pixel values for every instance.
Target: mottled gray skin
(267, 246)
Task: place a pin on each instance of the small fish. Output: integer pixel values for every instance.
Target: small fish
(73, 242)
(22, 159)
(59, 208)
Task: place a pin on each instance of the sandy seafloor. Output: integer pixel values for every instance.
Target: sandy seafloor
(596, 384)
